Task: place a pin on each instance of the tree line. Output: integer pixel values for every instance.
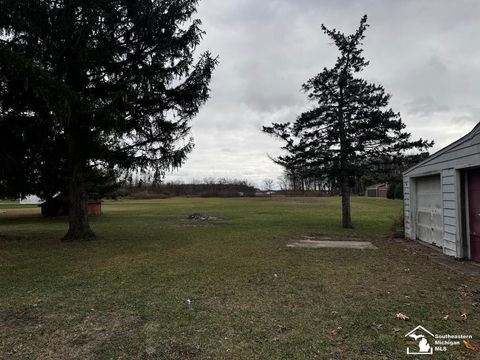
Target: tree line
(145, 188)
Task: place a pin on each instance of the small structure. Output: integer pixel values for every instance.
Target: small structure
(94, 207)
(377, 190)
(442, 198)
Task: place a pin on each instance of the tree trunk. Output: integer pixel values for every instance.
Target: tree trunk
(79, 228)
(344, 180)
(346, 213)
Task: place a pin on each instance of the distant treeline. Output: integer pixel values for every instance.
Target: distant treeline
(208, 188)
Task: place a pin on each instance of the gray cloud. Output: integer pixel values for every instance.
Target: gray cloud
(425, 53)
(426, 106)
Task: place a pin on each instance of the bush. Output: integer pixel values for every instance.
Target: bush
(398, 193)
(398, 228)
(391, 190)
(395, 190)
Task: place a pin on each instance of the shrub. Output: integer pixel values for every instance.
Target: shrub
(391, 190)
(398, 194)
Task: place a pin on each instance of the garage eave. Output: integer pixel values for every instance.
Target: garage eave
(463, 139)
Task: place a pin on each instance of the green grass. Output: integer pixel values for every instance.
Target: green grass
(125, 295)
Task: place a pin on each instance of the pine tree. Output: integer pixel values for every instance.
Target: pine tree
(109, 84)
(350, 125)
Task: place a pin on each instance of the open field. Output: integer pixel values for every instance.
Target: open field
(159, 286)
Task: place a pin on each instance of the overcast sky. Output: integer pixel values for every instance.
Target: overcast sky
(425, 52)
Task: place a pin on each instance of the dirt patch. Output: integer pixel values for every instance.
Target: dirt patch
(435, 254)
(203, 217)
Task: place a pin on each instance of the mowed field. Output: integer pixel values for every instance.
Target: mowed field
(156, 285)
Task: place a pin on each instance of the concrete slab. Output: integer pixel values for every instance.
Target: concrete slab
(361, 245)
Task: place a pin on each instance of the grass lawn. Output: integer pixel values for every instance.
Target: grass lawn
(126, 295)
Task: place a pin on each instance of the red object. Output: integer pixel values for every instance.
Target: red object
(474, 213)
(94, 207)
(382, 192)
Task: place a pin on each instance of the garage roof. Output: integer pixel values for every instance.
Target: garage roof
(446, 150)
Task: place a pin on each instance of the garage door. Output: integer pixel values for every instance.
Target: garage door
(429, 210)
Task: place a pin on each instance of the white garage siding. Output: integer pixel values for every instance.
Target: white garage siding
(450, 163)
(450, 217)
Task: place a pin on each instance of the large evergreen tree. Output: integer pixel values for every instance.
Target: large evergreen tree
(350, 125)
(87, 85)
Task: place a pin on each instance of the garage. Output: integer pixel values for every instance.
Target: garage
(429, 210)
(442, 198)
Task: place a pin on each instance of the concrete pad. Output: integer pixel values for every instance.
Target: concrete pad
(316, 244)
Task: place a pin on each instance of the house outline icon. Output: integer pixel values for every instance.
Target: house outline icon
(419, 327)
